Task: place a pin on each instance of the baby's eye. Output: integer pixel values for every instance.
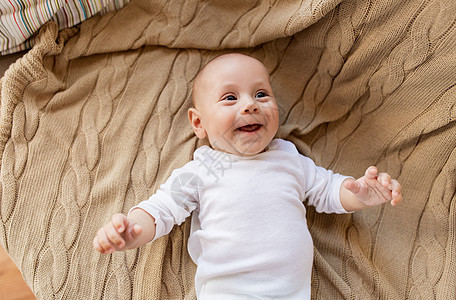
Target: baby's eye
(230, 98)
(260, 95)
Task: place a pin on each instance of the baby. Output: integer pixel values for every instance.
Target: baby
(249, 236)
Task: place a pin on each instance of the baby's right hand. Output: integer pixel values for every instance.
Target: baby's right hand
(118, 235)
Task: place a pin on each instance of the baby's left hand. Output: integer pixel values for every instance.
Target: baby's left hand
(373, 189)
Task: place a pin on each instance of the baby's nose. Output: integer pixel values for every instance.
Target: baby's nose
(250, 107)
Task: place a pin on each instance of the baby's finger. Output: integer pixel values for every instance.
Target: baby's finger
(371, 172)
(385, 180)
(113, 236)
(133, 231)
(397, 198)
(103, 242)
(396, 192)
(136, 230)
(396, 186)
(98, 247)
(119, 222)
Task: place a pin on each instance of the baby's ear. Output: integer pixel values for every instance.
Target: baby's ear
(196, 122)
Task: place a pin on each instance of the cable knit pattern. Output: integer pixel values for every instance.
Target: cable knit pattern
(94, 118)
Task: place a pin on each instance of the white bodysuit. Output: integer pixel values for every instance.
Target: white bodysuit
(249, 235)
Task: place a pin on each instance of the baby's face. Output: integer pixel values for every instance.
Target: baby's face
(235, 106)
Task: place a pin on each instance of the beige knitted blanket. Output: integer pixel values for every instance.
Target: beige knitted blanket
(94, 119)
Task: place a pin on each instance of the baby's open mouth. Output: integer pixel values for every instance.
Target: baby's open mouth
(250, 128)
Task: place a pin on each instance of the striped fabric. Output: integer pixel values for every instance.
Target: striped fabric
(20, 19)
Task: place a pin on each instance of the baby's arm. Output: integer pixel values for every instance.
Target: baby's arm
(370, 190)
(124, 232)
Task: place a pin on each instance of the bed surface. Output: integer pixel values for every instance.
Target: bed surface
(94, 118)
